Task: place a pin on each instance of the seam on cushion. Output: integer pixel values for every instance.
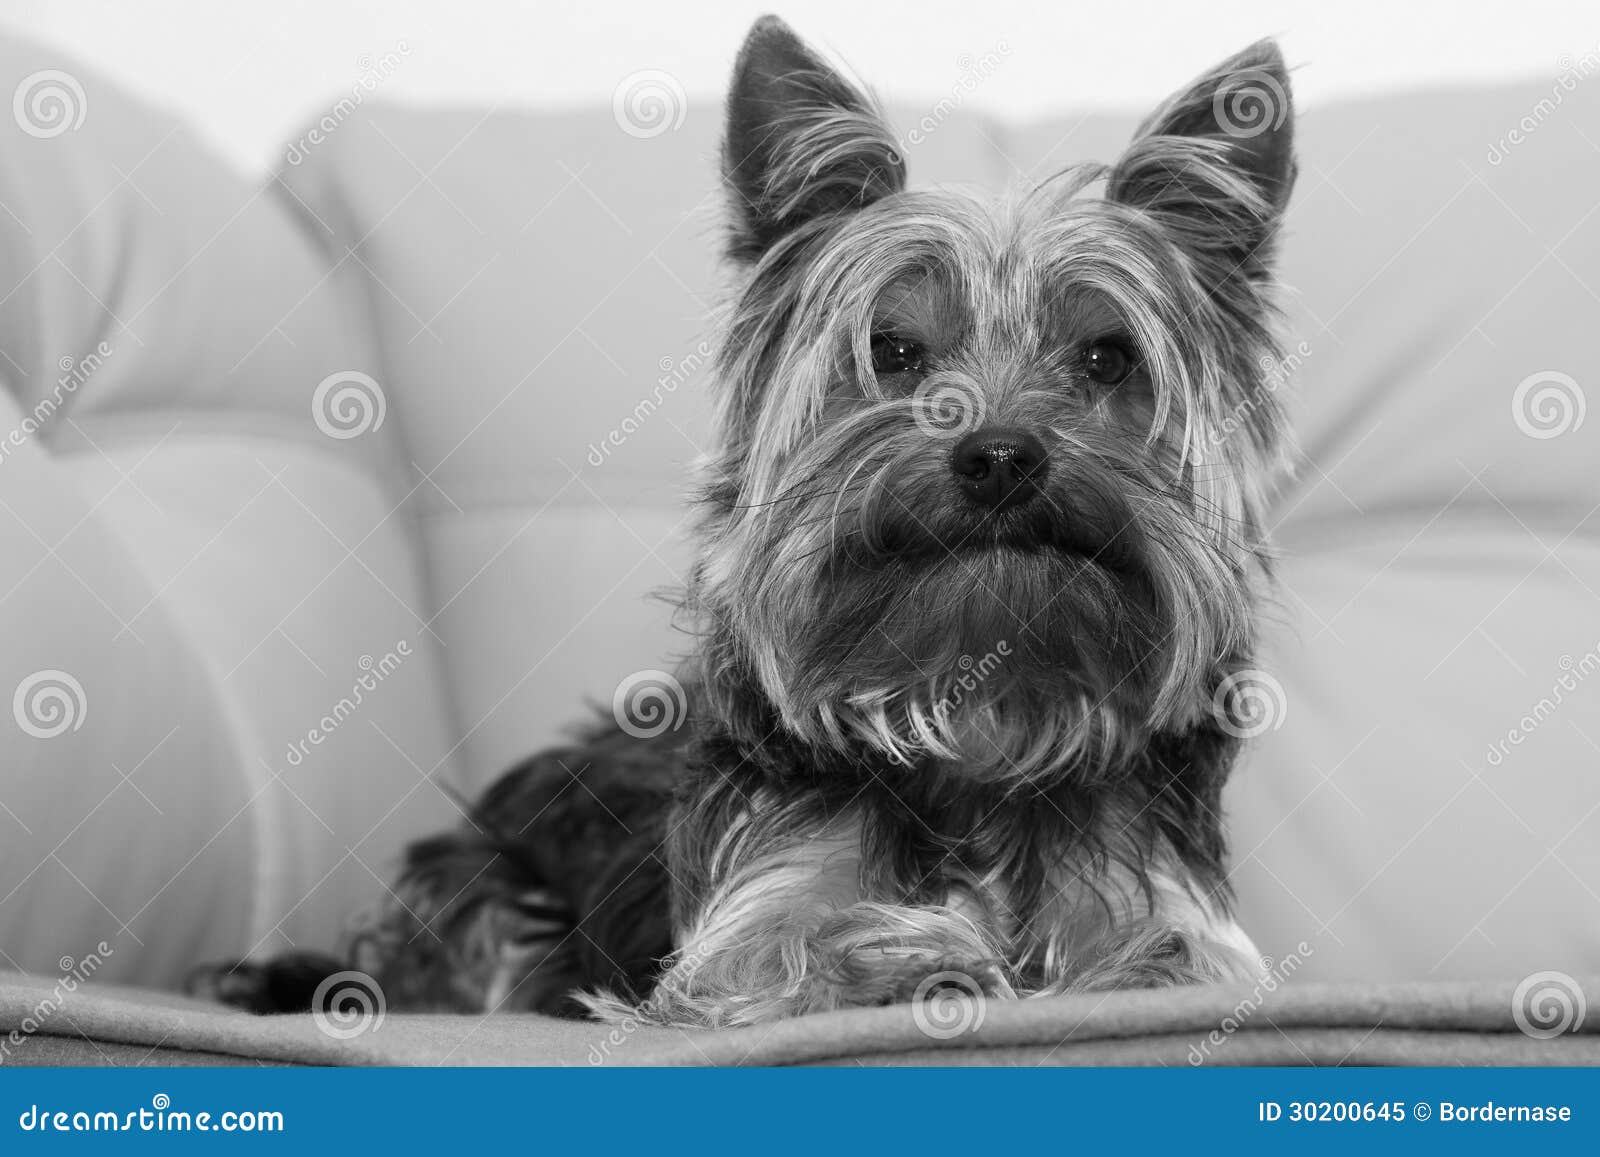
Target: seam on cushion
(107, 429)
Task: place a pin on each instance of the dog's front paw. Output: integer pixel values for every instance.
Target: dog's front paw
(926, 979)
(862, 955)
(1151, 954)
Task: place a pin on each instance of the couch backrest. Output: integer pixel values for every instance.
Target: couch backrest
(197, 570)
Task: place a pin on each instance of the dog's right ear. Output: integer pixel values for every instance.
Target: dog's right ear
(802, 142)
(1215, 163)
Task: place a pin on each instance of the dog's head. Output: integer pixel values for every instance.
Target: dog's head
(990, 474)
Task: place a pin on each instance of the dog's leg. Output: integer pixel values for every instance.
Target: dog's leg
(1126, 936)
(1153, 954)
(551, 885)
(784, 928)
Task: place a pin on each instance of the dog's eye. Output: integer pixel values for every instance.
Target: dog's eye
(1107, 362)
(893, 354)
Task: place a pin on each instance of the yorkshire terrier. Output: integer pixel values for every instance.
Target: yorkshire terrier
(980, 557)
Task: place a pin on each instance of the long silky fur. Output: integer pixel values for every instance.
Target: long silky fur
(924, 739)
(845, 831)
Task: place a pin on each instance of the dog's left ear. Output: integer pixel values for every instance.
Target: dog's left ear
(802, 141)
(1215, 163)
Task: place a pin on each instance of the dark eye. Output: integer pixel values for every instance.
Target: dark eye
(893, 354)
(1107, 362)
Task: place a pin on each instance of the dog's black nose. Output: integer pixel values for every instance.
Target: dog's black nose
(999, 469)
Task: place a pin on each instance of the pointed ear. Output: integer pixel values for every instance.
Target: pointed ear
(1216, 161)
(802, 142)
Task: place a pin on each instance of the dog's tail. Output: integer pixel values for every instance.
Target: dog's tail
(495, 947)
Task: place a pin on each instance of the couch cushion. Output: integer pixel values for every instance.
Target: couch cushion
(207, 540)
(44, 1022)
(123, 228)
(122, 793)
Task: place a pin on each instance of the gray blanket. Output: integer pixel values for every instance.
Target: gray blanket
(1301, 1024)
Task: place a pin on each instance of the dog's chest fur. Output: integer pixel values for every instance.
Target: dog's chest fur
(894, 860)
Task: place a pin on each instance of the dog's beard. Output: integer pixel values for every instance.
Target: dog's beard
(887, 615)
(994, 662)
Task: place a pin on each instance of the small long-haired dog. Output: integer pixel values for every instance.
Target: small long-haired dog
(980, 557)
